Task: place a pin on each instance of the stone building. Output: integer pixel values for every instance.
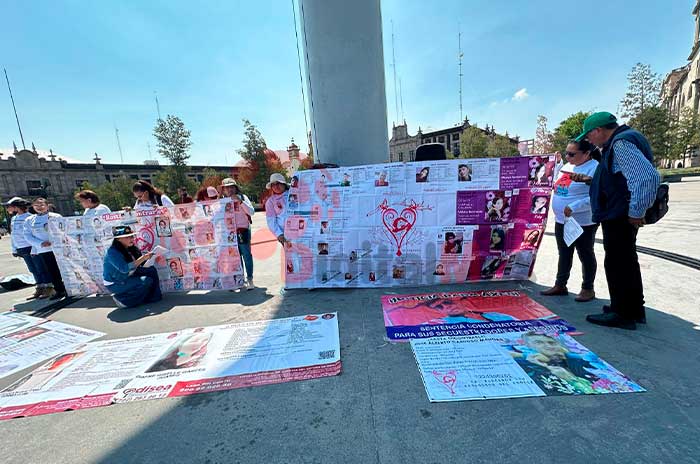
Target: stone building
(681, 89)
(33, 173)
(402, 146)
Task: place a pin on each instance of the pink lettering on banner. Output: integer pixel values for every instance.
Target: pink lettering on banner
(12, 412)
(231, 382)
(50, 407)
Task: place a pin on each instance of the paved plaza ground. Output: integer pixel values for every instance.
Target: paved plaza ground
(377, 410)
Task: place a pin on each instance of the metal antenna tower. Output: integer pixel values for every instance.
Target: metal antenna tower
(459, 48)
(119, 145)
(14, 108)
(393, 58)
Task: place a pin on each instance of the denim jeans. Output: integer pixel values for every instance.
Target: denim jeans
(42, 276)
(142, 287)
(246, 254)
(25, 254)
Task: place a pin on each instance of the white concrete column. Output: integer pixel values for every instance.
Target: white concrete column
(344, 58)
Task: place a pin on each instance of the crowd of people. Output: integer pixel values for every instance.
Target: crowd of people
(607, 179)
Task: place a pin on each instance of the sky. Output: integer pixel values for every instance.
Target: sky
(79, 69)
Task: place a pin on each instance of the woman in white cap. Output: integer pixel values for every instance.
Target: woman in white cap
(130, 283)
(207, 194)
(276, 205)
(243, 211)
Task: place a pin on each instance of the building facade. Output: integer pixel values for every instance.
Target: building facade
(402, 146)
(681, 89)
(29, 174)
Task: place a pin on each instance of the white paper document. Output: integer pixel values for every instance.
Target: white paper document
(572, 230)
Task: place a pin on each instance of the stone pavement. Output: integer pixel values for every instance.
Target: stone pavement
(377, 410)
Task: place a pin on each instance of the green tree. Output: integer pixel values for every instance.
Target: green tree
(655, 124)
(500, 146)
(170, 179)
(643, 91)
(262, 162)
(543, 137)
(684, 134)
(473, 143)
(173, 141)
(568, 129)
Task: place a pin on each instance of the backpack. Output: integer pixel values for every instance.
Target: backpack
(660, 207)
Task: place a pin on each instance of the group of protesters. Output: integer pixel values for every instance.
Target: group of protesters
(608, 179)
(124, 275)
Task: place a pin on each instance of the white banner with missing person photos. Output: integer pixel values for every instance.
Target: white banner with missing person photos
(196, 246)
(420, 223)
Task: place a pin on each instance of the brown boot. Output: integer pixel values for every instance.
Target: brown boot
(37, 292)
(585, 295)
(557, 290)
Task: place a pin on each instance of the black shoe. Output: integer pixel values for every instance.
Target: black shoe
(639, 320)
(611, 320)
(58, 296)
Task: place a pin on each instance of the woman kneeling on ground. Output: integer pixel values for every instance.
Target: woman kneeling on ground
(131, 284)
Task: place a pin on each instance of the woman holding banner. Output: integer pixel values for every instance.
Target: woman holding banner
(276, 205)
(571, 200)
(91, 202)
(243, 211)
(124, 275)
(36, 232)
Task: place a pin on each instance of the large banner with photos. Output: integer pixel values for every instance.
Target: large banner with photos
(406, 224)
(196, 246)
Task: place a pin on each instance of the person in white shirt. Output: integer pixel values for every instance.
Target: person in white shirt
(572, 200)
(91, 202)
(243, 211)
(36, 232)
(147, 196)
(17, 207)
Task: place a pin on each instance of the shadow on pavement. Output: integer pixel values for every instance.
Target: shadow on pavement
(377, 409)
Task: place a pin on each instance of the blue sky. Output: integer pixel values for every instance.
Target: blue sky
(80, 68)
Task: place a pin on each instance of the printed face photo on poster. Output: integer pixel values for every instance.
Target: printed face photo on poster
(497, 206)
(453, 243)
(163, 226)
(464, 173)
(175, 267)
(422, 174)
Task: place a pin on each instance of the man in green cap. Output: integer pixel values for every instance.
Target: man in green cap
(623, 188)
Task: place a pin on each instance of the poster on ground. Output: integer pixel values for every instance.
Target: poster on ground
(27, 340)
(197, 360)
(511, 365)
(419, 223)
(466, 313)
(198, 246)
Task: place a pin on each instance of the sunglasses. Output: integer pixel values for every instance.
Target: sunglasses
(571, 153)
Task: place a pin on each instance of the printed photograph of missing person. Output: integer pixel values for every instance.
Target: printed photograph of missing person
(322, 248)
(163, 226)
(381, 181)
(292, 200)
(346, 180)
(175, 266)
(497, 206)
(439, 269)
(324, 227)
(539, 204)
(422, 174)
(530, 238)
(453, 243)
(498, 239)
(187, 352)
(398, 272)
(464, 173)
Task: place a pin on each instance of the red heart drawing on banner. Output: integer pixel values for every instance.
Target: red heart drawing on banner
(399, 225)
(448, 379)
(145, 239)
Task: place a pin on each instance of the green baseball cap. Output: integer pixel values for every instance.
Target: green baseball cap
(594, 121)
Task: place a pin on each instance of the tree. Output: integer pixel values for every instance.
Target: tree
(684, 134)
(643, 91)
(500, 146)
(473, 143)
(568, 129)
(543, 138)
(170, 179)
(655, 124)
(173, 141)
(262, 162)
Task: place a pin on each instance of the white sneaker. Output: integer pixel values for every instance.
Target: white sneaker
(249, 284)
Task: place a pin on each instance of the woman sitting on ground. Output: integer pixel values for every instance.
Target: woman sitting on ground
(130, 283)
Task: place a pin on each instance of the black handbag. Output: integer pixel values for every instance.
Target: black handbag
(660, 206)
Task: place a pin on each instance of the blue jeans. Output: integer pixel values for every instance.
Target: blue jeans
(25, 254)
(244, 250)
(42, 276)
(142, 287)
